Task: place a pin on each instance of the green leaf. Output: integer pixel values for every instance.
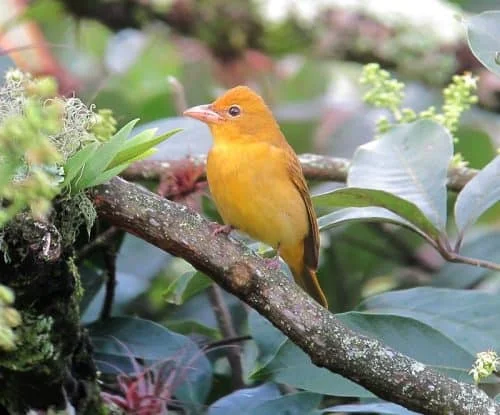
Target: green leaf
(300, 403)
(92, 281)
(357, 197)
(483, 33)
(103, 156)
(379, 408)
(138, 145)
(478, 195)
(290, 365)
(190, 327)
(469, 318)
(413, 338)
(186, 286)
(268, 338)
(106, 175)
(76, 162)
(244, 399)
(410, 161)
(151, 342)
(294, 367)
(484, 245)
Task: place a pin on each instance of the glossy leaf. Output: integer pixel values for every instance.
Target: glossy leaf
(379, 408)
(92, 281)
(478, 195)
(411, 337)
(286, 363)
(483, 33)
(301, 403)
(292, 366)
(133, 274)
(360, 198)
(190, 327)
(186, 286)
(244, 400)
(143, 339)
(469, 318)
(268, 338)
(410, 161)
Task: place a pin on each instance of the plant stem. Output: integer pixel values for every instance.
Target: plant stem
(227, 329)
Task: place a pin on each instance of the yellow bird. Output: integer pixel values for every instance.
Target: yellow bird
(257, 183)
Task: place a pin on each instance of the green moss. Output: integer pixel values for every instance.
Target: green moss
(34, 345)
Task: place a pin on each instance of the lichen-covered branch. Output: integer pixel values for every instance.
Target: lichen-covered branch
(315, 167)
(387, 373)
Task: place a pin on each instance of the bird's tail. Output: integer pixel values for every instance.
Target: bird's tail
(308, 280)
(303, 275)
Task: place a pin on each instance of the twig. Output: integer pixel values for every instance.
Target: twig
(315, 167)
(226, 342)
(109, 294)
(382, 370)
(453, 257)
(228, 331)
(98, 242)
(179, 94)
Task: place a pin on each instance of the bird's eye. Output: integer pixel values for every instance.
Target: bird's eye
(234, 110)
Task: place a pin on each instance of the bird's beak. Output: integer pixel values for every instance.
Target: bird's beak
(204, 113)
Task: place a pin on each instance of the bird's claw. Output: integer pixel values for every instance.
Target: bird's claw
(273, 263)
(224, 229)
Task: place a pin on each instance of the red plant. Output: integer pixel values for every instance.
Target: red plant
(147, 390)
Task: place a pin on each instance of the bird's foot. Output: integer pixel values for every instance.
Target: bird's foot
(217, 228)
(273, 263)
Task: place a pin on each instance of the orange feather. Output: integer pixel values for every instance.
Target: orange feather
(257, 182)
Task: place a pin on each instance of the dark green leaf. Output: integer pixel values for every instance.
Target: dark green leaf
(132, 255)
(301, 403)
(478, 195)
(483, 33)
(268, 338)
(294, 367)
(411, 337)
(151, 342)
(469, 318)
(379, 408)
(357, 197)
(189, 327)
(186, 286)
(410, 161)
(92, 281)
(244, 400)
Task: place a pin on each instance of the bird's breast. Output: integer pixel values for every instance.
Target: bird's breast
(252, 190)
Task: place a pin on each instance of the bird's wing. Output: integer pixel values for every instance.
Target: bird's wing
(311, 241)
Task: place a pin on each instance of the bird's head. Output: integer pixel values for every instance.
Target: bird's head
(239, 113)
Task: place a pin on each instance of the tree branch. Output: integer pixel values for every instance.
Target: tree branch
(315, 167)
(384, 371)
(225, 323)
